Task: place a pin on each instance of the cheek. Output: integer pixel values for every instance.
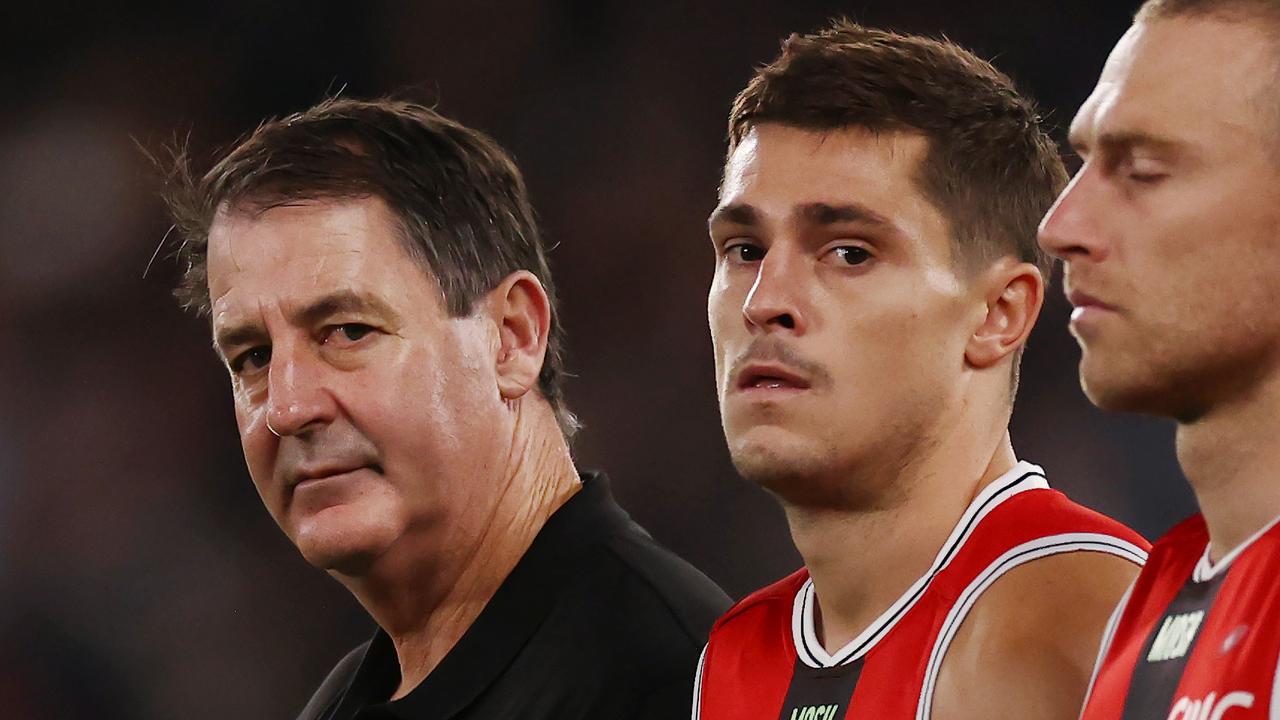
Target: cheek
(258, 442)
(1176, 288)
(412, 391)
(724, 316)
(902, 346)
(721, 295)
(1214, 314)
(427, 401)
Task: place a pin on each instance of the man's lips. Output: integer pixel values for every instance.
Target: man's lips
(766, 376)
(321, 472)
(1080, 299)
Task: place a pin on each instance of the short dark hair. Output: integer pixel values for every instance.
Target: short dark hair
(990, 169)
(461, 202)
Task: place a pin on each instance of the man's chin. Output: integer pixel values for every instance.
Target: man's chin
(792, 473)
(808, 473)
(761, 452)
(1110, 384)
(351, 562)
(1115, 390)
(335, 541)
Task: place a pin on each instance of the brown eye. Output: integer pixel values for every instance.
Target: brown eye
(744, 252)
(251, 360)
(852, 254)
(347, 333)
(354, 331)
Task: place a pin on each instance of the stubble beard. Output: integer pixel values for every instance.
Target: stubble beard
(828, 477)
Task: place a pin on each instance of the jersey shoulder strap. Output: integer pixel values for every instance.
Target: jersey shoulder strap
(776, 597)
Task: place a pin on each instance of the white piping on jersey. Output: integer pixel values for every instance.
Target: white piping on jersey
(1024, 553)
(1273, 710)
(1108, 635)
(697, 685)
(1206, 570)
(1024, 476)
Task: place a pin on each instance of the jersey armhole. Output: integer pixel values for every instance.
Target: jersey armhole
(1108, 635)
(1024, 553)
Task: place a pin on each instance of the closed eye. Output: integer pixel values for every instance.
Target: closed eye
(1147, 178)
(1143, 171)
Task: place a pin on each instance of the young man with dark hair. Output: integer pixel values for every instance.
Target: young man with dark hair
(876, 278)
(1170, 233)
(380, 295)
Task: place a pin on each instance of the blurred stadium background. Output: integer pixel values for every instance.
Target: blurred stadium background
(139, 576)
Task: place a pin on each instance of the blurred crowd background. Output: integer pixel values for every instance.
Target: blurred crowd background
(139, 575)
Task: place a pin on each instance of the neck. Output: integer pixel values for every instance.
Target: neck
(1232, 460)
(426, 596)
(862, 561)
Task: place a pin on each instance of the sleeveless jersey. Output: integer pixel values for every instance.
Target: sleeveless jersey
(1195, 640)
(763, 660)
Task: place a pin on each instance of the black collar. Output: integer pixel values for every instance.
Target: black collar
(505, 624)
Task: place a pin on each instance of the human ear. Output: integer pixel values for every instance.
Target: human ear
(1013, 292)
(522, 312)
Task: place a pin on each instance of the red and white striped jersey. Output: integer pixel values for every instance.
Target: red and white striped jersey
(1195, 640)
(763, 659)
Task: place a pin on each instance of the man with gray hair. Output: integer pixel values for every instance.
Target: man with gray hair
(380, 296)
(1171, 237)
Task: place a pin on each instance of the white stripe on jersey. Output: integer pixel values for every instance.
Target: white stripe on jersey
(697, 684)
(1024, 476)
(1273, 712)
(1206, 570)
(1024, 553)
(1108, 635)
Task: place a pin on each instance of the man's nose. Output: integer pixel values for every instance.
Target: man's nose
(1071, 230)
(775, 300)
(298, 395)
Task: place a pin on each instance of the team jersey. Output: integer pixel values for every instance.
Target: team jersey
(763, 659)
(1194, 640)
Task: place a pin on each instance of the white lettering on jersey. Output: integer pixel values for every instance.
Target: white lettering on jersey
(815, 712)
(1175, 636)
(1210, 707)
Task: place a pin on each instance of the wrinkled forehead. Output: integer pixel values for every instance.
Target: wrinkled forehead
(291, 252)
(1185, 78)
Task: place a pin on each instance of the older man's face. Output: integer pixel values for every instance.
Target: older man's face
(361, 404)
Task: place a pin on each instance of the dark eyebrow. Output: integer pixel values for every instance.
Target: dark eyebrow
(815, 213)
(824, 214)
(237, 335)
(338, 301)
(737, 214)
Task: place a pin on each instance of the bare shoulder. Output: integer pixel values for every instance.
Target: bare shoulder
(1028, 646)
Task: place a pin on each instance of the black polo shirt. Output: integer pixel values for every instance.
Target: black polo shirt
(595, 621)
